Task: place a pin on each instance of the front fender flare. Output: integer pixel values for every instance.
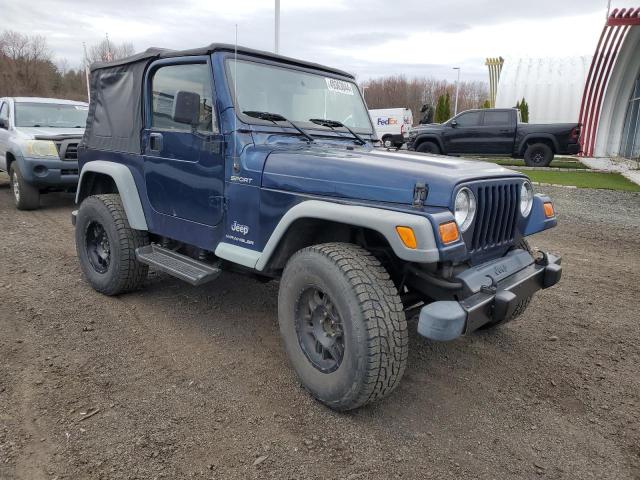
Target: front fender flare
(381, 220)
(123, 178)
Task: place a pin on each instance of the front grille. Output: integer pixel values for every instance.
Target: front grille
(68, 149)
(496, 215)
(69, 171)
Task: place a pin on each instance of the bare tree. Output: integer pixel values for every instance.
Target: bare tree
(27, 69)
(398, 91)
(106, 50)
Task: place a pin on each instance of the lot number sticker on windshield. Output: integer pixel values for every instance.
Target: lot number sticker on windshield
(339, 86)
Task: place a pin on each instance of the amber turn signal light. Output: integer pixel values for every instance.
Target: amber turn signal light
(408, 237)
(448, 232)
(548, 210)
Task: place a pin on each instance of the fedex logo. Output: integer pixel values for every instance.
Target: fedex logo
(387, 121)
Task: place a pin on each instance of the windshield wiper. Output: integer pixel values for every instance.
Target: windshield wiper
(276, 117)
(333, 124)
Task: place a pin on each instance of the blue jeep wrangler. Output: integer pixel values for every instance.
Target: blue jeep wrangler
(218, 158)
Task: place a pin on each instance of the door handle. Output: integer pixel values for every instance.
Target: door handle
(155, 142)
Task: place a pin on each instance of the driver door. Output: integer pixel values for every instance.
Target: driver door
(463, 136)
(183, 164)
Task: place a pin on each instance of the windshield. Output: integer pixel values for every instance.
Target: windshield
(50, 115)
(296, 95)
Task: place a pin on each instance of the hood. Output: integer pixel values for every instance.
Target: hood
(33, 132)
(376, 175)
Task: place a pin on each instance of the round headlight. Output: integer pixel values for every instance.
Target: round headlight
(526, 198)
(465, 208)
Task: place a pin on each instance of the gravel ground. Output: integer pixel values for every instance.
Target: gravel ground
(180, 382)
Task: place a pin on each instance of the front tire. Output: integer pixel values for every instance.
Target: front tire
(343, 325)
(428, 147)
(106, 246)
(538, 155)
(25, 195)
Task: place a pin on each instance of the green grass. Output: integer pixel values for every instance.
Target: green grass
(518, 162)
(607, 181)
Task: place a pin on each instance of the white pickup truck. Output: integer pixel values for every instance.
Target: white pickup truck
(39, 145)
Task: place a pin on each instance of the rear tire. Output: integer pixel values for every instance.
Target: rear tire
(428, 147)
(343, 325)
(25, 195)
(106, 245)
(522, 305)
(538, 155)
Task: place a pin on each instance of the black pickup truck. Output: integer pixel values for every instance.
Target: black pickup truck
(497, 131)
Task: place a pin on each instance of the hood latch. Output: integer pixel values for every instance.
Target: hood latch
(420, 191)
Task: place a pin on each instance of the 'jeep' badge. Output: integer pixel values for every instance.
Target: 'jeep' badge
(236, 227)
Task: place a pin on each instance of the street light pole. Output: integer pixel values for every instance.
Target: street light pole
(455, 108)
(277, 27)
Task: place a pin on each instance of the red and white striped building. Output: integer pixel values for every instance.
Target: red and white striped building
(601, 92)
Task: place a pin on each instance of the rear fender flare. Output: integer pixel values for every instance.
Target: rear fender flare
(127, 189)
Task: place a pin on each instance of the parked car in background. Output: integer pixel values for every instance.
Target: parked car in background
(391, 125)
(225, 157)
(497, 131)
(39, 145)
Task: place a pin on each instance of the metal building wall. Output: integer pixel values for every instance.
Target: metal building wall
(551, 86)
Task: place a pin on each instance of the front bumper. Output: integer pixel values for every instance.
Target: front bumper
(495, 289)
(49, 172)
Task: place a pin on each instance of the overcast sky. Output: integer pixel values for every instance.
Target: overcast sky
(369, 38)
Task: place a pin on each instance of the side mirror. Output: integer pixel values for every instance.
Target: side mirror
(186, 108)
(4, 123)
(454, 124)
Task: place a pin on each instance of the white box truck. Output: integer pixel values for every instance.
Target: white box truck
(392, 125)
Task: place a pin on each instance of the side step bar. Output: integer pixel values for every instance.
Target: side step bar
(180, 266)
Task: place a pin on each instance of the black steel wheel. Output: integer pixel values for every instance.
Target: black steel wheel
(319, 330)
(98, 248)
(106, 245)
(342, 324)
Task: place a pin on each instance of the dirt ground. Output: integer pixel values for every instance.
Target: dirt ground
(180, 382)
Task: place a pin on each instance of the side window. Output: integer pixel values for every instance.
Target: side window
(470, 119)
(4, 111)
(166, 81)
(496, 118)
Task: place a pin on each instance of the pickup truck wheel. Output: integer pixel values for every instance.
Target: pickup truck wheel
(342, 324)
(428, 147)
(538, 155)
(522, 305)
(25, 195)
(106, 245)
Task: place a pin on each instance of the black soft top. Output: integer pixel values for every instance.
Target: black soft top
(115, 121)
(153, 53)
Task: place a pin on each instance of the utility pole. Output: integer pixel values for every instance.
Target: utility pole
(277, 27)
(455, 108)
(608, 9)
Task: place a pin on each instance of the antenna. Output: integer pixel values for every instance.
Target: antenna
(86, 71)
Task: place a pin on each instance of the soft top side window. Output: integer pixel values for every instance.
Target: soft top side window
(191, 77)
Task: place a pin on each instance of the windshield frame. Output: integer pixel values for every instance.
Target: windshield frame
(306, 125)
(16, 108)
